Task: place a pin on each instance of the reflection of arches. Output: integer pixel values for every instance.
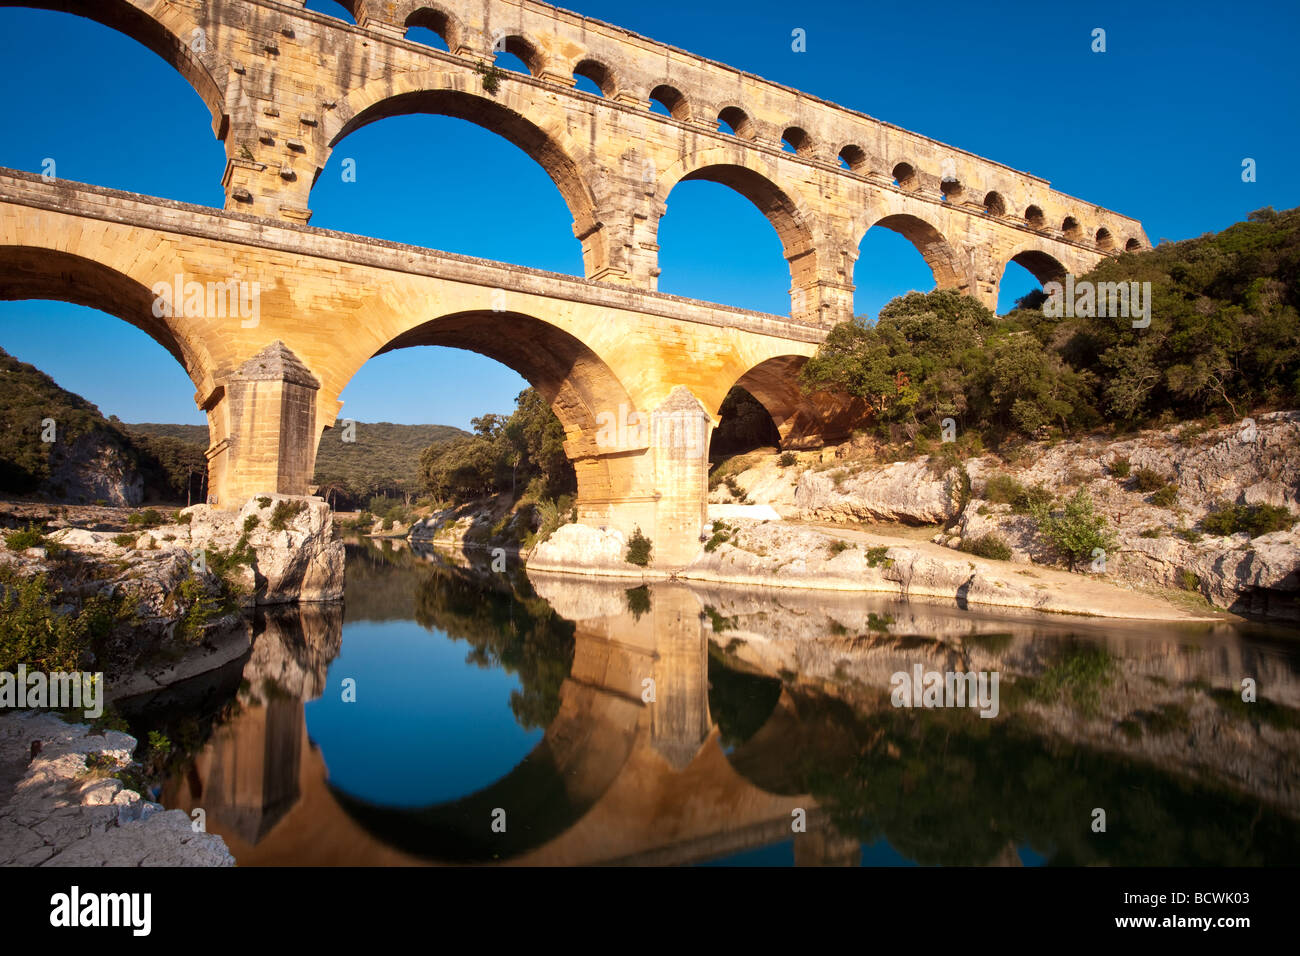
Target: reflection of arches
(507, 115)
(129, 19)
(583, 752)
(942, 259)
(573, 380)
(787, 214)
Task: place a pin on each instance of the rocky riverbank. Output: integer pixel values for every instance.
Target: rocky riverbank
(62, 804)
(847, 522)
(169, 593)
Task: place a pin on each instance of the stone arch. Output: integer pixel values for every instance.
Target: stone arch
(1041, 264)
(580, 387)
(798, 140)
(741, 125)
(905, 176)
(994, 204)
(40, 272)
(176, 48)
(944, 262)
(435, 18)
(508, 114)
(1133, 245)
(528, 51)
(802, 419)
(737, 169)
(855, 158)
(673, 100)
(599, 73)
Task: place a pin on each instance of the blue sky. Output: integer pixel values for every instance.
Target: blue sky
(1156, 127)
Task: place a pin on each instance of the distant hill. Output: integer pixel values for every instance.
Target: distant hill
(92, 458)
(384, 460)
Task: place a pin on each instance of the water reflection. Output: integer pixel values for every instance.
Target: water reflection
(670, 724)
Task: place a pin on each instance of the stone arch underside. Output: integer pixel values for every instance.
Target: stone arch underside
(130, 20)
(573, 380)
(30, 272)
(1043, 266)
(781, 208)
(443, 94)
(944, 262)
(802, 419)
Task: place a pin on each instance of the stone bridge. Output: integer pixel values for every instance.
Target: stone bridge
(636, 377)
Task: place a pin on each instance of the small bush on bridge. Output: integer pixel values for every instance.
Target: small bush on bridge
(638, 548)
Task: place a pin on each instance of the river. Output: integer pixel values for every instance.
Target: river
(447, 713)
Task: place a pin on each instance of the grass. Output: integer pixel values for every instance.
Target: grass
(285, 512)
(1120, 467)
(722, 532)
(1165, 497)
(1147, 480)
(1006, 490)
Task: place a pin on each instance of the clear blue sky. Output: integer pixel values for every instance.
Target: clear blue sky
(1155, 127)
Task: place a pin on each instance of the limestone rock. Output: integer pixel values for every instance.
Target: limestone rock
(906, 491)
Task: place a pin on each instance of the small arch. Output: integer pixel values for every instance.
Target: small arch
(853, 158)
(1034, 216)
(1104, 239)
(1043, 266)
(951, 189)
(1070, 228)
(1133, 245)
(430, 23)
(344, 10)
(905, 176)
(796, 140)
(523, 50)
(598, 76)
(736, 121)
(670, 102)
(994, 204)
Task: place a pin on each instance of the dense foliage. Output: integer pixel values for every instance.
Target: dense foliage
(1224, 338)
(521, 455)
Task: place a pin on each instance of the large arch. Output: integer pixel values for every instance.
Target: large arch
(508, 114)
(582, 390)
(802, 419)
(944, 262)
(784, 209)
(176, 48)
(35, 272)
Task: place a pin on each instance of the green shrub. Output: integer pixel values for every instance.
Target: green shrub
(878, 556)
(1120, 467)
(1148, 480)
(285, 512)
(787, 459)
(1006, 490)
(988, 546)
(263, 501)
(124, 540)
(1255, 520)
(1152, 533)
(24, 538)
(1165, 497)
(1078, 530)
(638, 549)
(251, 522)
(838, 546)
(1188, 535)
(34, 633)
(182, 518)
(1188, 581)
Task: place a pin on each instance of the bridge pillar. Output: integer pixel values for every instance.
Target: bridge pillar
(266, 413)
(679, 717)
(679, 440)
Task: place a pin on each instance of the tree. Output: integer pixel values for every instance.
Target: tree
(1078, 531)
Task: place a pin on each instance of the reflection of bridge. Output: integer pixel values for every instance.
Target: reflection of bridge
(614, 779)
(286, 86)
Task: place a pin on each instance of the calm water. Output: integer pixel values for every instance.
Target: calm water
(450, 714)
